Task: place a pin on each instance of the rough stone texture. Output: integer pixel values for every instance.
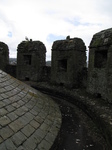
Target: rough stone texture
(11, 69)
(68, 62)
(100, 65)
(30, 60)
(27, 117)
(4, 56)
(46, 74)
(100, 111)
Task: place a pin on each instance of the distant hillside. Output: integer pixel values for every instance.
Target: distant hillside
(48, 63)
(12, 60)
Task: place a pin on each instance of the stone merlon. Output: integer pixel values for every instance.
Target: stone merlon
(31, 57)
(4, 56)
(102, 38)
(68, 62)
(100, 65)
(30, 46)
(69, 44)
(4, 48)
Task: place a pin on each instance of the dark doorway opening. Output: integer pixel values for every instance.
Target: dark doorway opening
(27, 79)
(100, 59)
(62, 65)
(27, 59)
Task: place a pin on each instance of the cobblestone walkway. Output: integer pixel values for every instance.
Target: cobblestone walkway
(28, 119)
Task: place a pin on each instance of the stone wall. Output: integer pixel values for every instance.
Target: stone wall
(46, 74)
(4, 56)
(68, 65)
(11, 69)
(100, 65)
(68, 62)
(31, 57)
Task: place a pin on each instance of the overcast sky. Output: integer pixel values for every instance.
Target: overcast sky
(50, 20)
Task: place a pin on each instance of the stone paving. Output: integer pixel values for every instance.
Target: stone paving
(29, 120)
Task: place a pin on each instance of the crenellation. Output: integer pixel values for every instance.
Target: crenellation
(32, 120)
(68, 63)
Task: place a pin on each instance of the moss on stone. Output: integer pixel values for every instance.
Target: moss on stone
(97, 42)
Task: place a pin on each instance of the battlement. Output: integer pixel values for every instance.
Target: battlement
(68, 63)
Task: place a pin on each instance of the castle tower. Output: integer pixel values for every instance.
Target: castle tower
(31, 57)
(100, 65)
(4, 56)
(68, 61)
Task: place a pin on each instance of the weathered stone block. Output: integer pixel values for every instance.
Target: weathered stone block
(4, 56)
(30, 60)
(68, 62)
(100, 65)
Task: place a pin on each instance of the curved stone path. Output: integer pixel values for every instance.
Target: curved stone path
(29, 120)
